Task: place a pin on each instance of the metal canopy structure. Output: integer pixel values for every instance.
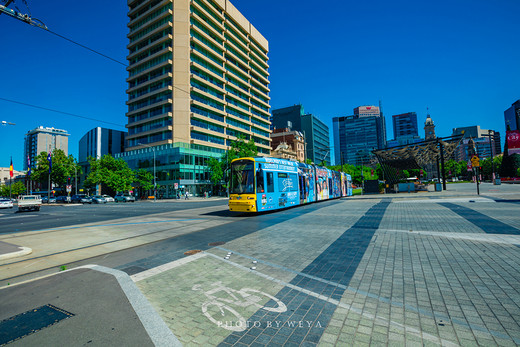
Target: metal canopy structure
(417, 156)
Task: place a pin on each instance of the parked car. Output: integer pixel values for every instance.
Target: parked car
(81, 198)
(47, 200)
(124, 198)
(6, 203)
(98, 199)
(108, 198)
(63, 199)
(29, 203)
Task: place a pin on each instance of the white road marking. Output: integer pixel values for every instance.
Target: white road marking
(165, 267)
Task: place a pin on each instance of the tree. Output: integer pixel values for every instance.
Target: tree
(239, 148)
(114, 173)
(16, 189)
(62, 168)
(143, 180)
(453, 168)
(217, 173)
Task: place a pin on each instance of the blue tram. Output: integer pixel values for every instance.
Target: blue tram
(264, 184)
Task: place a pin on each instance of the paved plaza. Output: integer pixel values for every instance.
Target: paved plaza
(417, 269)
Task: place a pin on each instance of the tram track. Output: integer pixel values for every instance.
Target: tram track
(97, 248)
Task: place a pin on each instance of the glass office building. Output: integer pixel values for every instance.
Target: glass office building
(316, 132)
(355, 137)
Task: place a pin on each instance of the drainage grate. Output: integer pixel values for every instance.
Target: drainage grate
(27, 323)
(213, 244)
(193, 251)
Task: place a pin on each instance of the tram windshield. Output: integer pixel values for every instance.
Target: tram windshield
(242, 177)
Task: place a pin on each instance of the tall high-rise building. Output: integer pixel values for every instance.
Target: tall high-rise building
(316, 133)
(198, 79)
(405, 125)
(100, 141)
(406, 130)
(44, 139)
(355, 137)
(96, 143)
(512, 116)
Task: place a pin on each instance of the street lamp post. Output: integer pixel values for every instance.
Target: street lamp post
(491, 153)
(154, 182)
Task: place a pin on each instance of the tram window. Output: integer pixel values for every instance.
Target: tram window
(270, 182)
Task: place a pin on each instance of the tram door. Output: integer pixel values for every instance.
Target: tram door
(303, 188)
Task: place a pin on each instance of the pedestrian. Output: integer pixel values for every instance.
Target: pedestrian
(186, 196)
(178, 195)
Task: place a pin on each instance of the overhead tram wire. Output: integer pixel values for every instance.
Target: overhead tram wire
(39, 24)
(62, 112)
(32, 21)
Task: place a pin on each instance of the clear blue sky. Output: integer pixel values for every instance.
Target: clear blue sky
(459, 58)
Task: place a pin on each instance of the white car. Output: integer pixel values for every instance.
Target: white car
(6, 203)
(108, 198)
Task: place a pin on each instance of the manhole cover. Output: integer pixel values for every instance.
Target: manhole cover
(193, 251)
(213, 244)
(29, 322)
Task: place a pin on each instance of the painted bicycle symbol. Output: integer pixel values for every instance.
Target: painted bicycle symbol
(242, 298)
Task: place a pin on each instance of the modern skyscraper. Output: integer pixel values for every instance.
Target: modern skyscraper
(316, 132)
(512, 116)
(100, 141)
(405, 125)
(198, 79)
(355, 137)
(405, 129)
(44, 140)
(96, 143)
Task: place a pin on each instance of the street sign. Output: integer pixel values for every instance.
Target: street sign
(69, 188)
(469, 166)
(475, 161)
(176, 186)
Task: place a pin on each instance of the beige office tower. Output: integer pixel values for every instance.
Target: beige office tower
(198, 79)
(44, 139)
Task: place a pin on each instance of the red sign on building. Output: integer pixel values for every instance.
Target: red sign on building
(513, 141)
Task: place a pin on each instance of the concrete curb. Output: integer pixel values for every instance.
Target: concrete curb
(23, 251)
(154, 325)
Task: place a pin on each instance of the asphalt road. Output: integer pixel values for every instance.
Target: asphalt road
(54, 216)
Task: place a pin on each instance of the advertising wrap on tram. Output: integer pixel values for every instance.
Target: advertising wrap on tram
(264, 184)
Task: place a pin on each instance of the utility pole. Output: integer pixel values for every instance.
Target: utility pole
(443, 171)
(154, 182)
(490, 136)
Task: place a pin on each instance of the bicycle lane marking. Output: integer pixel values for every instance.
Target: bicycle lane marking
(198, 295)
(337, 264)
(251, 322)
